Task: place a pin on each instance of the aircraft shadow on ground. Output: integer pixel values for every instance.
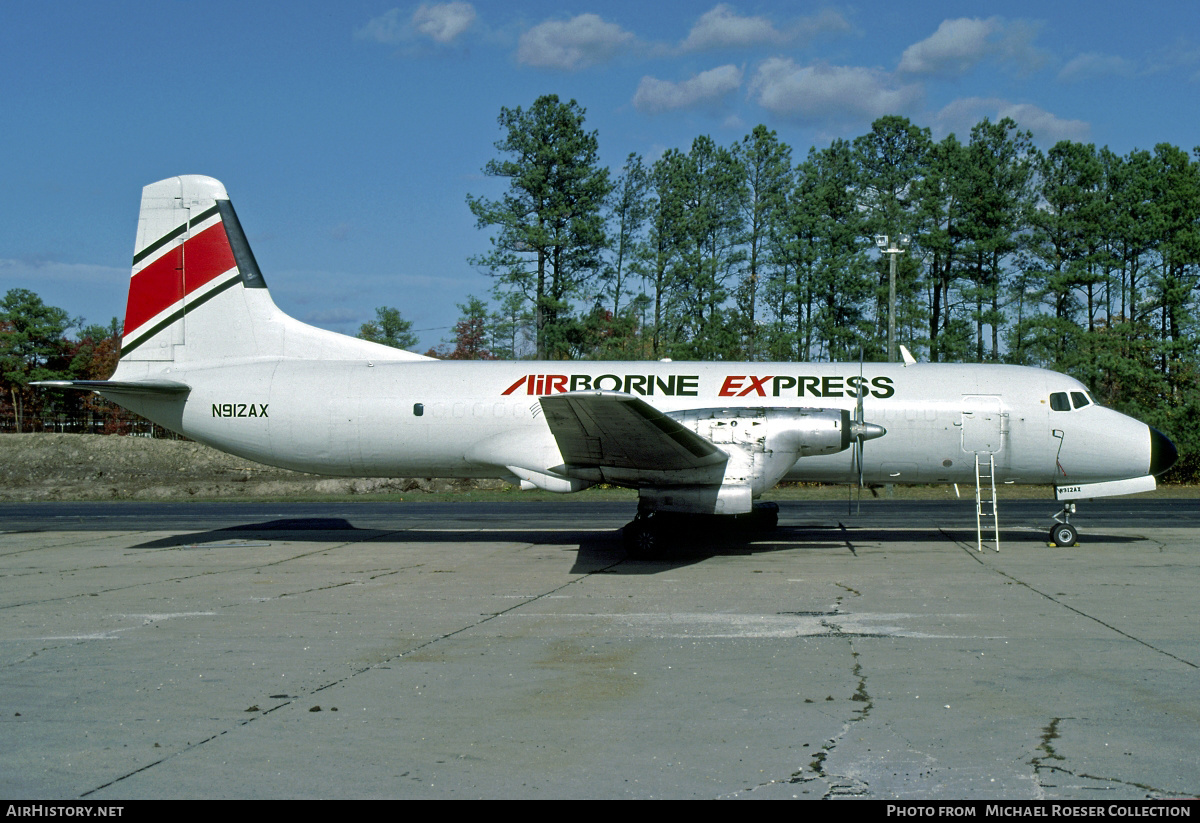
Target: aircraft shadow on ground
(602, 549)
(597, 549)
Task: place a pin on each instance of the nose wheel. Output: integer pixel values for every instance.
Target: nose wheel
(1062, 533)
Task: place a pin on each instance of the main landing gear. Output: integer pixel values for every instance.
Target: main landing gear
(653, 532)
(645, 535)
(1062, 533)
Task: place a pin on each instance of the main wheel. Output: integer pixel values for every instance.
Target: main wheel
(641, 537)
(766, 515)
(1064, 534)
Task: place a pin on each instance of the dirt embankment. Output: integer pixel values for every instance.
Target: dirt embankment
(96, 467)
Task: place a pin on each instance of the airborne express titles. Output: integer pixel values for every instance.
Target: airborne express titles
(688, 385)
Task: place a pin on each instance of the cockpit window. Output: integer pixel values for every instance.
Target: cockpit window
(1079, 399)
(1059, 401)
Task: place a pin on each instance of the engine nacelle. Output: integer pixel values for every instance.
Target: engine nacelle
(803, 432)
(762, 443)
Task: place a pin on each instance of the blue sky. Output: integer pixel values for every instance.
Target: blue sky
(349, 134)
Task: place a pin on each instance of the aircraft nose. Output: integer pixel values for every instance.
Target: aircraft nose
(1162, 452)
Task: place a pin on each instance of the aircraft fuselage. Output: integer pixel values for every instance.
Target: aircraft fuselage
(474, 419)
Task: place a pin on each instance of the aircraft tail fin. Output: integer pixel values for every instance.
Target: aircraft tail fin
(196, 293)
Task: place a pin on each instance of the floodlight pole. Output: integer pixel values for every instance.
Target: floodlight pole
(896, 247)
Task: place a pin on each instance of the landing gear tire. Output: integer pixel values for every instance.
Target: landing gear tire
(642, 537)
(766, 515)
(1064, 534)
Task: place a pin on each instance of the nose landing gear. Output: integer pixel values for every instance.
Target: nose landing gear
(1062, 533)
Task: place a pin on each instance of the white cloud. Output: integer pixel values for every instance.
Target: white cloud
(734, 123)
(823, 92)
(440, 22)
(386, 28)
(827, 20)
(572, 44)
(1046, 127)
(953, 48)
(1015, 46)
(1093, 65)
(1173, 57)
(959, 45)
(66, 273)
(443, 22)
(722, 27)
(654, 95)
(962, 115)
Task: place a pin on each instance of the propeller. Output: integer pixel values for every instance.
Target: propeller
(860, 431)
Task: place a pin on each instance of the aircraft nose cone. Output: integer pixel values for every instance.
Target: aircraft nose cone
(1162, 452)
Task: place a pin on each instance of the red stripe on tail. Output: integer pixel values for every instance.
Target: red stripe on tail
(176, 274)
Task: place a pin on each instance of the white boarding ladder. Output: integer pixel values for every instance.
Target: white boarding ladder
(985, 499)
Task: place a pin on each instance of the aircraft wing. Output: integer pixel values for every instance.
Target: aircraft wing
(619, 431)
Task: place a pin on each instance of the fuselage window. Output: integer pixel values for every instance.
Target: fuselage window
(1059, 401)
(1079, 399)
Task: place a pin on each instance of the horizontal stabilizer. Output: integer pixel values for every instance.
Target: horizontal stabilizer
(156, 387)
(615, 430)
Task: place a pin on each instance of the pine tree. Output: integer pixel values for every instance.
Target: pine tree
(550, 225)
(389, 328)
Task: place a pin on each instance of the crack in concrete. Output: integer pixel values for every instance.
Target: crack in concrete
(84, 539)
(379, 664)
(846, 786)
(1044, 764)
(970, 552)
(836, 786)
(231, 570)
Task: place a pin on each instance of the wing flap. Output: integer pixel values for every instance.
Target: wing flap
(155, 387)
(616, 430)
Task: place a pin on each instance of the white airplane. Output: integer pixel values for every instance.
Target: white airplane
(206, 353)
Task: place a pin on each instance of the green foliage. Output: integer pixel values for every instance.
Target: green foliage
(389, 328)
(658, 253)
(940, 239)
(549, 225)
(892, 160)
(471, 334)
(628, 212)
(840, 271)
(767, 165)
(33, 346)
(510, 328)
(996, 199)
(32, 336)
(709, 191)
